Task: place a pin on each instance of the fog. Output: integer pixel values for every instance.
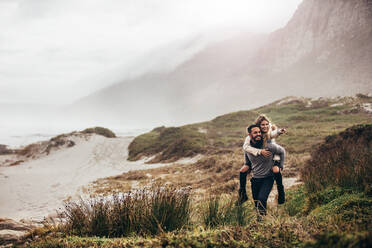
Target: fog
(53, 52)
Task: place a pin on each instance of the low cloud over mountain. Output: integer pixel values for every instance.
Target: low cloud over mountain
(324, 50)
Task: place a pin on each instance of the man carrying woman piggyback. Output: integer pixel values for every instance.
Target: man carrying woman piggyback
(265, 159)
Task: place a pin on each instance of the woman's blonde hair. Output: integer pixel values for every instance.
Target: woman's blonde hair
(262, 118)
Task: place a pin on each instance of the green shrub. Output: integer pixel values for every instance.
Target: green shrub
(323, 197)
(347, 208)
(169, 144)
(143, 145)
(100, 131)
(343, 160)
(160, 209)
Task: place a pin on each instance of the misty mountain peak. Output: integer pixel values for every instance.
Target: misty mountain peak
(324, 50)
(322, 29)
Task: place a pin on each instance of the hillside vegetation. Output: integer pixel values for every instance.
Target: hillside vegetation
(334, 215)
(329, 148)
(308, 121)
(100, 131)
(343, 160)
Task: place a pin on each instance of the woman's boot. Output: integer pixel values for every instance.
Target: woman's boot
(242, 190)
(279, 185)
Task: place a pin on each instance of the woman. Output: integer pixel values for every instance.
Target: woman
(269, 133)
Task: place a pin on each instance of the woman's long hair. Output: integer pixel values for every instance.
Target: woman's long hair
(262, 118)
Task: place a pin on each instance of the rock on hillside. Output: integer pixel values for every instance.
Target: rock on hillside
(13, 232)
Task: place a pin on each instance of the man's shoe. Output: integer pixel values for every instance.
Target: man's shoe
(281, 194)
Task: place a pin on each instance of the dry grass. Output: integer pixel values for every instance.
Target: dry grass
(214, 174)
(143, 212)
(29, 150)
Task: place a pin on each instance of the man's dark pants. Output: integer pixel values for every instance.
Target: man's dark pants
(261, 188)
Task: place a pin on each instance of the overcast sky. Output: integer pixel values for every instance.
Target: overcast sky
(56, 51)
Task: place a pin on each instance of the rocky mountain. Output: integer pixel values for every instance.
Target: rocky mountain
(324, 50)
(325, 46)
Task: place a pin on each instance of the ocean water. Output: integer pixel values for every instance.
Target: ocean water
(17, 135)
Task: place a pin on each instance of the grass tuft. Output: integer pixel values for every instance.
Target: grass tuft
(150, 211)
(224, 211)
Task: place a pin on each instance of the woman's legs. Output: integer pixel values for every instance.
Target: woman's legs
(243, 183)
(279, 183)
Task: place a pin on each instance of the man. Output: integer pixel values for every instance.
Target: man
(261, 167)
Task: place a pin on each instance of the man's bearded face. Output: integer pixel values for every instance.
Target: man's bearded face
(256, 135)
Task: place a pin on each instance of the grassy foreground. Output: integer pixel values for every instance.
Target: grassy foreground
(345, 221)
(331, 208)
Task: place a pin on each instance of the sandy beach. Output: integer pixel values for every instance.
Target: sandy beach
(36, 188)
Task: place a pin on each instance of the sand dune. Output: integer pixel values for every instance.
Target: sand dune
(36, 188)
